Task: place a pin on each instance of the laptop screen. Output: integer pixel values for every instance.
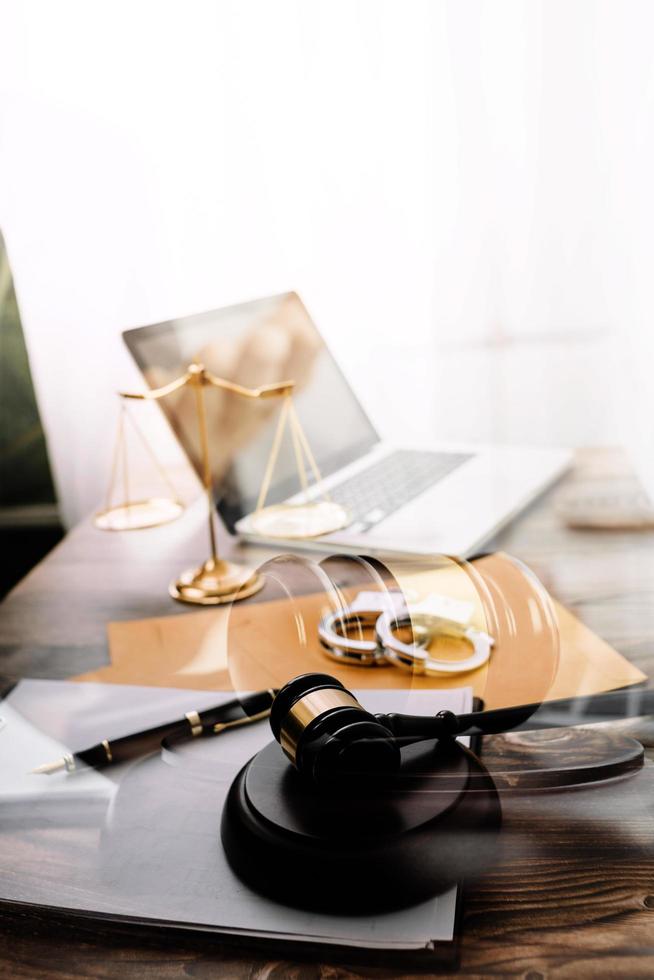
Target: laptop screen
(254, 344)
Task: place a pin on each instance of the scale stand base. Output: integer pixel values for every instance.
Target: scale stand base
(215, 582)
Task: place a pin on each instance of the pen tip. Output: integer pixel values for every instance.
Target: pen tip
(49, 767)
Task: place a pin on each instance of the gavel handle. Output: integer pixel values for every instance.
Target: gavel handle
(562, 713)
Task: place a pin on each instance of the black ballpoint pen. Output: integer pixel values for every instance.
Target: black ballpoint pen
(212, 721)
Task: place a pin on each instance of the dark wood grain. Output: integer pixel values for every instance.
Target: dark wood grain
(571, 894)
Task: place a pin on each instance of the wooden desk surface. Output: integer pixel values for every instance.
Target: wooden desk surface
(570, 915)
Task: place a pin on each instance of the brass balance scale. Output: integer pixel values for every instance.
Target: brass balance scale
(217, 580)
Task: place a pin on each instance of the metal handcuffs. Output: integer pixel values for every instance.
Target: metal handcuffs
(387, 613)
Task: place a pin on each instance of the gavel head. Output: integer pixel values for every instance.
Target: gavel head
(326, 733)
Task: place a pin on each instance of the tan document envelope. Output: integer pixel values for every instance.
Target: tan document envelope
(190, 651)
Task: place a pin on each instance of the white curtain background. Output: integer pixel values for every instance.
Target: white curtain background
(460, 191)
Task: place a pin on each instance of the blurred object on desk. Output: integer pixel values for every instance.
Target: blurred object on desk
(608, 510)
(605, 498)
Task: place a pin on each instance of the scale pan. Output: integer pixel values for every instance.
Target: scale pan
(308, 520)
(138, 514)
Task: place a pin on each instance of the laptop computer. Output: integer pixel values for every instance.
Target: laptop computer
(402, 499)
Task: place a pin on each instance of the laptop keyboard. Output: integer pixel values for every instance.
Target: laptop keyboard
(376, 492)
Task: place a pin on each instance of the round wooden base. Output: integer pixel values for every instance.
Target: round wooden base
(364, 846)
